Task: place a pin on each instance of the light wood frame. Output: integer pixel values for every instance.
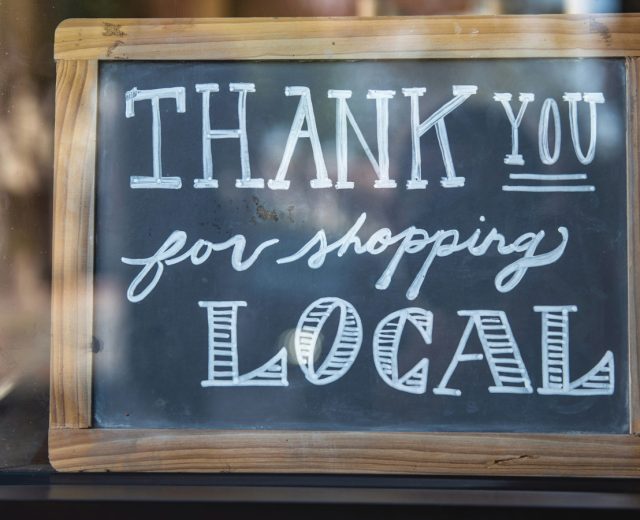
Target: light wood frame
(81, 44)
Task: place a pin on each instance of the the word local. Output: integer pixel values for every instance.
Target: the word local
(492, 327)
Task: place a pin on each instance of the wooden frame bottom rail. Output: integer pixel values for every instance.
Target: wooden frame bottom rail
(345, 452)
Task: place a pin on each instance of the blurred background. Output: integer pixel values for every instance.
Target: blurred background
(27, 85)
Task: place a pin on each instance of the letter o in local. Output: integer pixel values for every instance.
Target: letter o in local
(344, 349)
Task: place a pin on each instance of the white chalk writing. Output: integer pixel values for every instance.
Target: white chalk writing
(222, 318)
(443, 243)
(155, 95)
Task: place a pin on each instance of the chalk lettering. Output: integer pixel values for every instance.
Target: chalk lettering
(304, 113)
(222, 320)
(600, 380)
(461, 93)
(344, 349)
(155, 95)
(209, 134)
(386, 342)
(505, 99)
(500, 350)
(344, 115)
(593, 99)
(167, 254)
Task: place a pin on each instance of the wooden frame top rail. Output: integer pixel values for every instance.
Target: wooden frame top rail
(341, 38)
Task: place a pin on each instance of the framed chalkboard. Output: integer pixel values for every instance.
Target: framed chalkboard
(400, 246)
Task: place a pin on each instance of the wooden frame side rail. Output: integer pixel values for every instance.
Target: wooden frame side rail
(79, 46)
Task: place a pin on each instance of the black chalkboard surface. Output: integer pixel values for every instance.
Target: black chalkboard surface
(474, 279)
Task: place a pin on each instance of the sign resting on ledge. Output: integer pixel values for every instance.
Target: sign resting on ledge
(398, 249)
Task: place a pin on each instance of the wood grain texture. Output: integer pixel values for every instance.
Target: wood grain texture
(349, 38)
(345, 452)
(633, 236)
(72, 292)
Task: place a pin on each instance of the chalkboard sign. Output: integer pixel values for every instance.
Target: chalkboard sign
(311, 256)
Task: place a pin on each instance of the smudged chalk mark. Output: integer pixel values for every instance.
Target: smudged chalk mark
(263, 213)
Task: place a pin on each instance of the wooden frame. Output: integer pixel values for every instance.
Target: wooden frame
(80, 44)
